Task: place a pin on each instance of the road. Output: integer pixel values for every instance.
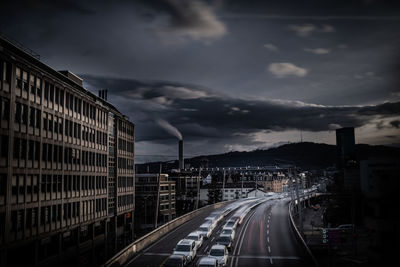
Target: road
(264, 238)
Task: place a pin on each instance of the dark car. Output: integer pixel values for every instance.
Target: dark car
(175, 261)
(225, 240)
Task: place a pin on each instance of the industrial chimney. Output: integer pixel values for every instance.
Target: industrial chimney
(181, 161)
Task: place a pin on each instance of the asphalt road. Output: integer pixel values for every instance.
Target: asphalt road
(263, 239)
(266, 239)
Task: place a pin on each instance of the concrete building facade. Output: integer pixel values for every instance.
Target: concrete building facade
(66, 167)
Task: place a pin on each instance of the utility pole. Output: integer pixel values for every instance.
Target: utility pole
(290, 185)
(198, 189)
(298, 200)
(241, 191)
(158, 199)
(223, 185)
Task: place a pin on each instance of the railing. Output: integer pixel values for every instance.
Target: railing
(298, 235)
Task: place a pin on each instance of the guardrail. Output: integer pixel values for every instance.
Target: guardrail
(299, 235)
(131, 250)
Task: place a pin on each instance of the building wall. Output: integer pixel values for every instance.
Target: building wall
(54, 186)
(155, 197)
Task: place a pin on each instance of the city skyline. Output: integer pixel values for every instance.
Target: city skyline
(229, 75)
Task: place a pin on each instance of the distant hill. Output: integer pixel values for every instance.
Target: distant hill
(306, 155)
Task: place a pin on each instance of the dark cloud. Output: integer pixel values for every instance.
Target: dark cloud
(49, 7)
(199, 112)
(395, 124)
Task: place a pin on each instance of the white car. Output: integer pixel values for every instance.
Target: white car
(187, 248)
(228, 231)
(197, 238)
(208, 262)
(212, 221)
(220, 253)
(231, 223)
(218, 215)
(205, 230)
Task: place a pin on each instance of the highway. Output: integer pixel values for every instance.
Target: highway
(264, 238)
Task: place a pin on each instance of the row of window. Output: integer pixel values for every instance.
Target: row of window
(167, 197)
(53, 124)
(125, 183)
(166, 206)
(125, 201)
(25, 188)
(125, 145)
(57, 213)
(54, 97)
(124, 163)
(125, 129)
(5, 73)
(29, 149)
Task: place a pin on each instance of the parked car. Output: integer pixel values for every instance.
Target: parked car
(208, 262)
(187, 248)
(205, 230)
(196, 237)
(220, 253)
(175, 261)
(225, 240)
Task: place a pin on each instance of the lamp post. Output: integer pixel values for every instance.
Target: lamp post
(293, 165)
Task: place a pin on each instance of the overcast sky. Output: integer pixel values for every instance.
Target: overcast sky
(227, 75)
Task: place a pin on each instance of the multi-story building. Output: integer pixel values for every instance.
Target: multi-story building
(155, 200)
(228, 192)
(187, 186)
(66, 167)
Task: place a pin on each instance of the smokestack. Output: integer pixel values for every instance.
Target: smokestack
(181, 161)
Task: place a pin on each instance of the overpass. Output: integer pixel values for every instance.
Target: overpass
(266, 237)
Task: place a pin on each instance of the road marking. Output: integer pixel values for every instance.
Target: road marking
(212, 239)
(241, 237)
(267, 225)
(268, 239)
(267, 232)
(269, 249)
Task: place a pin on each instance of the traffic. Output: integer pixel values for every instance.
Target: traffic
(210, 244)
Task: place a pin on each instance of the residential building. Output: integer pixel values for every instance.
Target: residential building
(230, 191)
(66, 167)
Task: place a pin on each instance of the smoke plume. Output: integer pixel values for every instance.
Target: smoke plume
(169, 128)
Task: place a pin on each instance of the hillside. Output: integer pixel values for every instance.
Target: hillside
(306, 155)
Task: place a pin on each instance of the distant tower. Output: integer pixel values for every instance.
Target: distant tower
(345, 144)
(180, 156)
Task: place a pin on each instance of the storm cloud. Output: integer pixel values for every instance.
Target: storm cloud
(200, 112)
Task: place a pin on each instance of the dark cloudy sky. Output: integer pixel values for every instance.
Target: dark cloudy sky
(228, 74)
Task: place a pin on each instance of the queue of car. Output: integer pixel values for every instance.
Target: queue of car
(186, 249)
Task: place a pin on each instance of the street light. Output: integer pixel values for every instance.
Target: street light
(298, 202)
